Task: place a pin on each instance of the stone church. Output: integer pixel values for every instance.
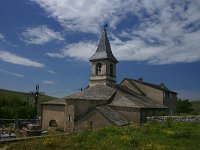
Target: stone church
(106, 103)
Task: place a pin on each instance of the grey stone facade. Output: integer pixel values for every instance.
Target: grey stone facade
(106, 75)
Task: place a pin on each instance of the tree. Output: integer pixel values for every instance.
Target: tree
(13, 107)
(184, 106)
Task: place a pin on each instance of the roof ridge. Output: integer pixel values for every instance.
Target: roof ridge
(152, 85)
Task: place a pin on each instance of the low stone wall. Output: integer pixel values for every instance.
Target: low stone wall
(18, 123)
(175, 118)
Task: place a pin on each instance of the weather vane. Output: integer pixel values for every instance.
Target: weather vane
(105, 25)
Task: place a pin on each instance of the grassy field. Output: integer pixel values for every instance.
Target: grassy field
(23, 96)
(196, 106)
(150, 136)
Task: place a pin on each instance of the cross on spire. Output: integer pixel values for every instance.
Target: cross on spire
(105, 26)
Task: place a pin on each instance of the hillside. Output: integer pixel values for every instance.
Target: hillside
(19, 104)
(23, 96)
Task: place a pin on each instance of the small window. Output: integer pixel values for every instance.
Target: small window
(69, 118)
(111, 70)
(53, 123)
(98, 68)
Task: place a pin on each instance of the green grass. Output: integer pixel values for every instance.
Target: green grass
(150, 136)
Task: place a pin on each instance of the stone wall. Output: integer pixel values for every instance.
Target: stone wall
(104, 78)
(150, 92)
(194, 118)
(171, 103)
(92, 121)
(154, 94)
(132, 115)
(81, 107)
(53, 112)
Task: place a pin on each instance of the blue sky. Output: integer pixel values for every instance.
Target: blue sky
(49, 42)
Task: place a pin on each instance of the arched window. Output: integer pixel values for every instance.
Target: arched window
(111, 70)
(53, 123)
(98, 68)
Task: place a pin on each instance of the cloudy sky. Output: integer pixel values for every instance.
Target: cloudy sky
(49, 42)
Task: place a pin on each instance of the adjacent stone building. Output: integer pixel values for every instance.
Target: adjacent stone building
(105, 103)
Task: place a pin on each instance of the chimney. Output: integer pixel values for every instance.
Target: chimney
(162, 85)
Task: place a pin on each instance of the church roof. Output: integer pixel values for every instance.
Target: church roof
(159, 87)
(112, 115)
(128, 98)
(123, 96)
(104, 50)
(97, 92)
(55, 102)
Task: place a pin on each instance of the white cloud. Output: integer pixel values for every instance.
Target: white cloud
(48, 82)
(2, 37)
(12, 73)
(40, 35)
(136, 50)
(51, 71)
(15, 59)
(86, 15)
(57, 55)
(170, 52)
(79, 51)
(172, 30)
(165, 31)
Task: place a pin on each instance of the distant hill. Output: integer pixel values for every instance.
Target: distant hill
(23, 96)
(196, 106)
(19, 104)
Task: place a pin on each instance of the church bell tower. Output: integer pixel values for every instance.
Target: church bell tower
(103, 69)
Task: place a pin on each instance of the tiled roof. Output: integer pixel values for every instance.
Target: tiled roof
(112, 115)
(159, 87)
(124, 96)
(55, 102)
(97, 92)
(128, 98)
(104, 50)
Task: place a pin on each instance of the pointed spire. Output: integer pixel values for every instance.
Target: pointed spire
(104, 50)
